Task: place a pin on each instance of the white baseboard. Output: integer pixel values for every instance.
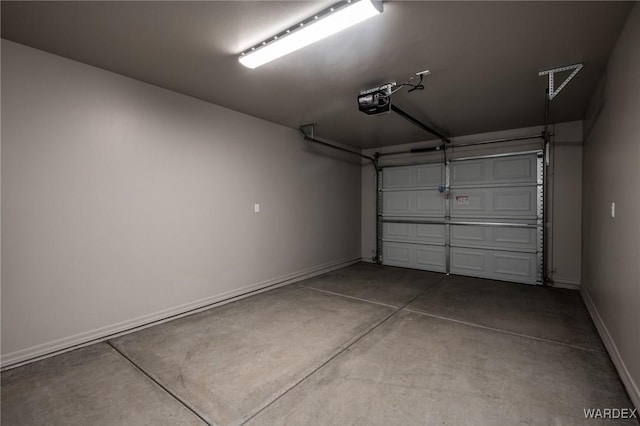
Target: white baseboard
(632, 387)
(56, 347)
(569, 283)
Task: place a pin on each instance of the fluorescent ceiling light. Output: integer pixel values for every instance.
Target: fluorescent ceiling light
(330, 21)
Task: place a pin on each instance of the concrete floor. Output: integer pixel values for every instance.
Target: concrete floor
(362, 345)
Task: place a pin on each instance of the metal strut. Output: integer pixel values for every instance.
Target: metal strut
(546, 280)
(459, 145)
(550, 93)
(420, 124)
(330, 145)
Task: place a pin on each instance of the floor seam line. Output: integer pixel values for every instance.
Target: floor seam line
(350, 297)
(498, 330)
(436, 284)
(423, 292)
(164, 388)
(331, 358)
(315, 370)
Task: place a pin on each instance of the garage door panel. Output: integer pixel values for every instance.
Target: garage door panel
(469, 234)
(431, 233)
(514, 264)
(508, 201)
(431, 258)
(468, 172)
(492, 264)
(502, 202)
(414, 232)
(515, 169)
(397, 202)
(427, 175)
(397, 254)
(397, 230)
(465, 261)
(489, 221)
(524, 238)
(494, 171)
(494, 237)
(415, 256)
(428, 203)
(397, 177)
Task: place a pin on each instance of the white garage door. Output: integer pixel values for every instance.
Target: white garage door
(488, 224)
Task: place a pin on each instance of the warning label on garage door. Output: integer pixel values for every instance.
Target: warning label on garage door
(462, 200)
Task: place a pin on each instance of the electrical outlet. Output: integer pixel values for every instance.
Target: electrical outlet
(613, 209)
(256, 208)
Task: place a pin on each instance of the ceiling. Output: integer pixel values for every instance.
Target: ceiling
(484, 58)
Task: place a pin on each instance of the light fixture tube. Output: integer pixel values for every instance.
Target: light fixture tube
(330, 21)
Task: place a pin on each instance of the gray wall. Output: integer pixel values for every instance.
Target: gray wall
(564, 183)
(123, 203)
(565, 210)
(611, 267)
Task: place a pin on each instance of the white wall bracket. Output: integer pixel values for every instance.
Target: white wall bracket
(551, 73)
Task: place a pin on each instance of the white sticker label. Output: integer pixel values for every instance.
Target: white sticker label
(462, 200)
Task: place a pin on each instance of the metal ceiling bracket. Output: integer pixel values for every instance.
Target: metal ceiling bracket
(551, 73)
(310, 125)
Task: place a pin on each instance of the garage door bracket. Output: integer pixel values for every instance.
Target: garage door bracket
(552, 72)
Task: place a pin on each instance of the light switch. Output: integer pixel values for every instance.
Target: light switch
(256, 208)
(613, 209)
